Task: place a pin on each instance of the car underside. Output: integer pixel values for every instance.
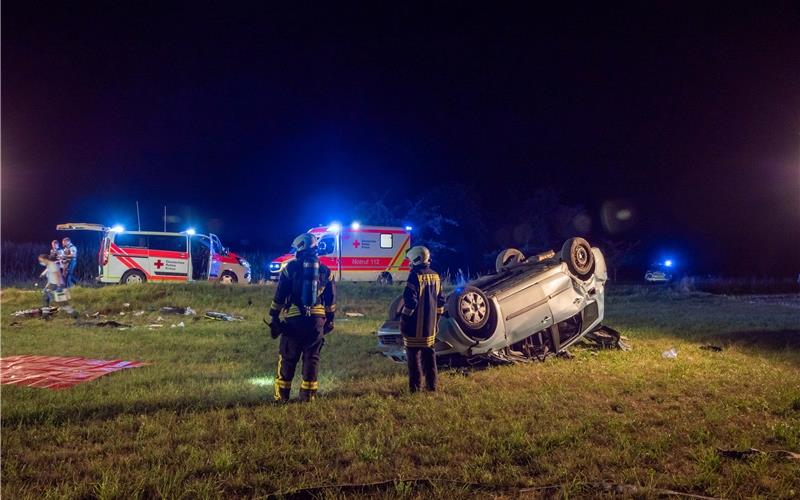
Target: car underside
(529, 309)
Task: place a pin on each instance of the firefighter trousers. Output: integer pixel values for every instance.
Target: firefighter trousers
(302, 340)
(421, 360)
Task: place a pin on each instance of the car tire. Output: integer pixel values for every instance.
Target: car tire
(133, 277)
(577, 253)
(385, 278)
(473, 311)
(508, 257)
(396, 308)
(228, 278)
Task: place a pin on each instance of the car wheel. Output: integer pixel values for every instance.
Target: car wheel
(228, 278)
(508, 257)
(396, 308)
(385, 278)
(133, 277)
(473, 312)
(578, 255)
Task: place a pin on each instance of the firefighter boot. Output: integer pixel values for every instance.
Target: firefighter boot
(308, 390)
(282, 395)
(307, 395)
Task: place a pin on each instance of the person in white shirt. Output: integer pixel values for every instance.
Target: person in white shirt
(55, 280)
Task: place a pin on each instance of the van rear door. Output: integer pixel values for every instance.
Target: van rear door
(168, 257)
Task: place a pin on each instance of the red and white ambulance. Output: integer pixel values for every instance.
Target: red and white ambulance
(138, 256)
(359, 253)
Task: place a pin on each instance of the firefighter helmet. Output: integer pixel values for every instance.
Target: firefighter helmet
(419, 255)
(304, 242)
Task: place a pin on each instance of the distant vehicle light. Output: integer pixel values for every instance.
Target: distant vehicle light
(668, 263)
(191, 231)
(355, 226)
(117, 229)
(409, 228)
(335, 227)
(274, 266)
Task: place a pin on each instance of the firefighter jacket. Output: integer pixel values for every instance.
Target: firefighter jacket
(423, 303)
(292, 285)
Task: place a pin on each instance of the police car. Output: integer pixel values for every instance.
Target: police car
(128, 257)
(359, 253)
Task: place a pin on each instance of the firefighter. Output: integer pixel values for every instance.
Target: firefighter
(423, 304)
(306, 294)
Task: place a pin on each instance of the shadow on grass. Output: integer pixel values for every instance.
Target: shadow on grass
(778, 340)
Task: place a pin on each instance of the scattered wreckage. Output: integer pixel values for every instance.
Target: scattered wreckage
(529, 309)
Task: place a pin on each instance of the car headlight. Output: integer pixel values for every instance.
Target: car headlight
(275, 266)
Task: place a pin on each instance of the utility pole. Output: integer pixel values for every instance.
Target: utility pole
(138, 219)
(165, 218)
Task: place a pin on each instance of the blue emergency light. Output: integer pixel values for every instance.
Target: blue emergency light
(117, 228)
(191, 231)
(355, 226)
(335, 227)
(668, 263)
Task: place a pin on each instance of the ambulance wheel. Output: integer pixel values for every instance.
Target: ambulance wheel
(385, 278)
(228, 278)
(133, 277)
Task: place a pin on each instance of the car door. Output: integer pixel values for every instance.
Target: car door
(168, 257)
(214, 263)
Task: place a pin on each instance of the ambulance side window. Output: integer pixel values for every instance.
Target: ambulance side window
(168, 243)
(326, 246)
(386, 241)
(129, 240)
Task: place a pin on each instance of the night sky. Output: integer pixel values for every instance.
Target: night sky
(260, 121)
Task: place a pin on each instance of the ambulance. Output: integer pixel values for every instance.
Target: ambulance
(359, 253)
(128, 257)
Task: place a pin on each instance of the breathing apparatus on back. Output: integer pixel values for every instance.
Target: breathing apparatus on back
(306, 245)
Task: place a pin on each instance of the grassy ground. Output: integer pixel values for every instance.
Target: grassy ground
(198, 421)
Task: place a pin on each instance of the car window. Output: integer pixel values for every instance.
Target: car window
(386, 241)
(129, 240)
(168, 243)
(326, 245)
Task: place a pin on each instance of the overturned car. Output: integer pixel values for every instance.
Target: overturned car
(530, 308)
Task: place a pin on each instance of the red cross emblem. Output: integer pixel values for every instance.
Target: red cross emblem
(158, 264)
(356, 243)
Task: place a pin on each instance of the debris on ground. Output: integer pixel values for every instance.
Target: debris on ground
(37, 311)
(92, 315)
(710, 347)
(126, 304)
(179, 325)
(753, 452)
(221, 316)
(159, 318)
(155, 325)
(354, 314)
(14, 323)
(138, 313)
(608, 338)
(104, 324)
(672, 353)
(122, 313)
(186, 311)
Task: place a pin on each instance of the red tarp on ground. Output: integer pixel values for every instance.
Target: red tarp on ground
(56, 372)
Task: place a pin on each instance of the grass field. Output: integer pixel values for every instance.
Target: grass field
(199, 422)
